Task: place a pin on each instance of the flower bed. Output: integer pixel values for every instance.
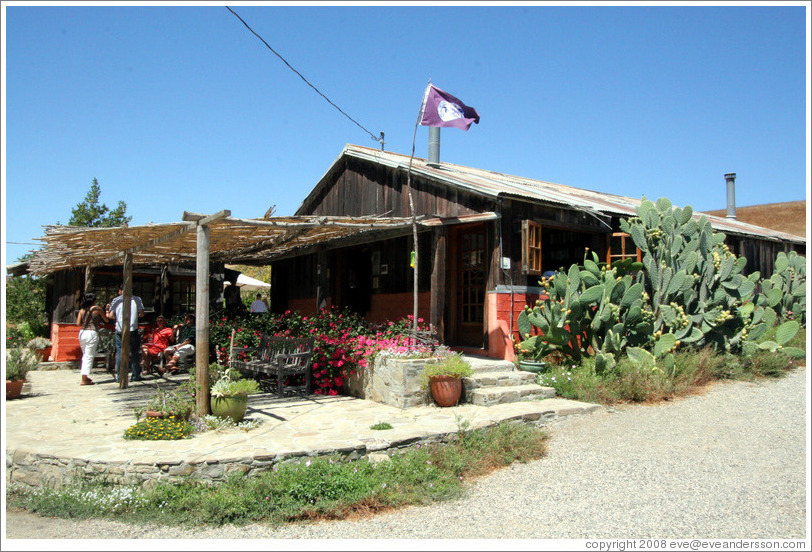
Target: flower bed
(344, 343)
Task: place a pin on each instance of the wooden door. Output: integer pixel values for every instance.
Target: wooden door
(470, 276)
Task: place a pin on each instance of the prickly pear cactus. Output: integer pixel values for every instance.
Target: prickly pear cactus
(589, 309)
(785, 290)
(689, 288)
(694, 283)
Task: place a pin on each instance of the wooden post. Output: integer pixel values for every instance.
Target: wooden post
(202, 321)
(415, 271)
(321, 289)
(126, 309)
(438, 276)
(88, 278)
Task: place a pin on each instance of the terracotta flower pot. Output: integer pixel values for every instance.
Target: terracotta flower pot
(14, 388)
(446, 390)
(160, 414)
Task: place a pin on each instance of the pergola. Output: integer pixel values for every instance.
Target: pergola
(202, 238)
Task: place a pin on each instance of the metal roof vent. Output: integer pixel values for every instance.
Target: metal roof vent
(434, 147)
(730, 178)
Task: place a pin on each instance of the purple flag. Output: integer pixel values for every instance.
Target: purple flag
(441, 109)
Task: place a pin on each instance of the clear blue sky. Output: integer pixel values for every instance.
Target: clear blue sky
(181, 109)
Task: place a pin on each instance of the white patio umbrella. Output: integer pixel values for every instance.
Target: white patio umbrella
(247, 283)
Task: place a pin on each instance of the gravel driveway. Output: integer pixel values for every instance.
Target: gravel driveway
(729, 463)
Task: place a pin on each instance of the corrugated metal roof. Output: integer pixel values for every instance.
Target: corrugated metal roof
(495, 184)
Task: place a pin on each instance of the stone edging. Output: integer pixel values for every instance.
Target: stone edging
(31, 470)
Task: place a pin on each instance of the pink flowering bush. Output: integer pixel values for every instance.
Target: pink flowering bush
(343, 341)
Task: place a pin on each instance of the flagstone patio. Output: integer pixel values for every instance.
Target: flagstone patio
(59, 430)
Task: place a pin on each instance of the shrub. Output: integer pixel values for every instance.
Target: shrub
(767, 364)
(26, 316)
(38, 343)
(180, 401)
(631, 381)
(19, 362)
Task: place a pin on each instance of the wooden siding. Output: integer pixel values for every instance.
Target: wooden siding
(363, 189)
(295, 280)
(561, 225)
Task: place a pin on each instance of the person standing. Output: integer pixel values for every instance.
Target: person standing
(90, 317)
(114, 310)
(259, 305)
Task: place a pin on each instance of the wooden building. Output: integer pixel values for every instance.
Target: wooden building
(484, 240)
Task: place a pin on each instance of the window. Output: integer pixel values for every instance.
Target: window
(621, 246)
(531, 247)
(183, 296)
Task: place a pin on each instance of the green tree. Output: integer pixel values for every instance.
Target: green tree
(93, 214)
(25, 310)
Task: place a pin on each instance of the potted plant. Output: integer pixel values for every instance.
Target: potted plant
(229, 395)
(531, 359)
(164, 404)
(445, 378)
(41, 346)
(18, 363)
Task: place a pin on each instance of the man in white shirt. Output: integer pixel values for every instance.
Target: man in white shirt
(259, 305)
(114, 310)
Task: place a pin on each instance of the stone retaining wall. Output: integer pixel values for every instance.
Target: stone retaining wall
(393, 381)
(32, 470)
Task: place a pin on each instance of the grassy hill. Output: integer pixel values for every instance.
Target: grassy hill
(789, 217)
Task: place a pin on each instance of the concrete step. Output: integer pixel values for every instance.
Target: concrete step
(487, 396)
(498, 379)
(484, 364)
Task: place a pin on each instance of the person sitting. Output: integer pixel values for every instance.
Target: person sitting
(185, 346)
(232, 298)
(259, 305)
(153, 349)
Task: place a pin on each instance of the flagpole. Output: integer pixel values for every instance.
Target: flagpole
(411, 209)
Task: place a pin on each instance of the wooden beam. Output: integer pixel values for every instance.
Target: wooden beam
(126, 309)
(438, 282)
(317, 222)
(88, 279)
(288, 236)
(321, 289)
(202, 321)
(205, 219)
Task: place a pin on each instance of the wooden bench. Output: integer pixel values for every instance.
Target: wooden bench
(277, 358)
(427, 338)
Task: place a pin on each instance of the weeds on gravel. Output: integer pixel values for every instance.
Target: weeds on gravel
(316, 488)
(629, 382)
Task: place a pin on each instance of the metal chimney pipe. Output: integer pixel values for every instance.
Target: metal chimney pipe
(730, 178)
(434, 147)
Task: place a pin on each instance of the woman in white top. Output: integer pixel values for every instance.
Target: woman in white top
(90, 317)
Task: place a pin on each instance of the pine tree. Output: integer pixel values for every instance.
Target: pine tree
(92, 214)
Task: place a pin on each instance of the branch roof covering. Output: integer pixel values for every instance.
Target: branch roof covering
(231, 240)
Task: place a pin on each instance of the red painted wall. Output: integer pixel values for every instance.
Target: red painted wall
(394, 306)
(502, 319)
(383, 306)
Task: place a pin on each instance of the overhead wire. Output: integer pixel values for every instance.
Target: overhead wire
(376, 138)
